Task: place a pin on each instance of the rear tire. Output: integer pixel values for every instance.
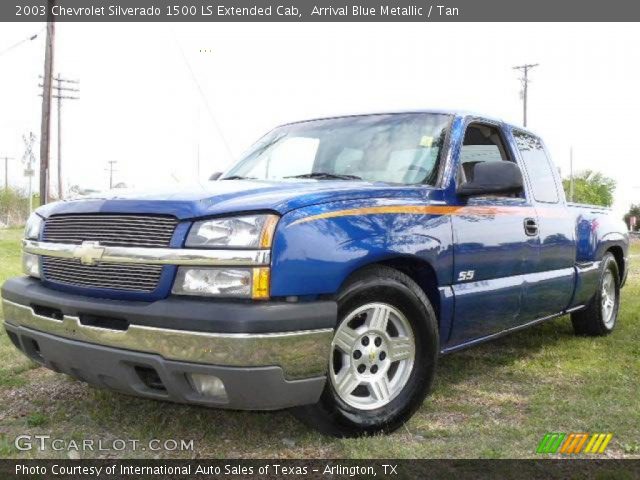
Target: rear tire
(383, 356)
(601, 315)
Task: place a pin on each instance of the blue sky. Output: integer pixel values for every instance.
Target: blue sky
(174, 102)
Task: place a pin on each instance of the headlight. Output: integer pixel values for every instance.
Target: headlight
(250, 231)
(33, 227)
(223, 282)
(31, 265)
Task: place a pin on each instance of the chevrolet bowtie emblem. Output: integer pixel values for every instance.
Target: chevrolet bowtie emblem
(89, 253)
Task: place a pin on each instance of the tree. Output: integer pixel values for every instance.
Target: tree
(634, 211)
(14, 207)
(591, 187)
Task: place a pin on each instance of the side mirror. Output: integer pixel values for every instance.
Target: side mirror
(215, 176)
(492, 178)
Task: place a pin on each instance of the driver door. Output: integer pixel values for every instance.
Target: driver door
(493, 251)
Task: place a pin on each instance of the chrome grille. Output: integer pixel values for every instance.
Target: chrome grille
(110, 229)
(138, 278)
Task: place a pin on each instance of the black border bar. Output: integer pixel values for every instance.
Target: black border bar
(548, 469)
(320, 11)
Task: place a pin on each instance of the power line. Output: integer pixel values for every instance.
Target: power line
(25, 40)
(525, 86)
(59, 96)
(204, 97)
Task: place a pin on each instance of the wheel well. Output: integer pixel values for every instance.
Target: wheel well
(420, 272)
(619, 256)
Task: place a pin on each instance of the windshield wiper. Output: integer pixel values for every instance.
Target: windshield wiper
(238, 177)
(326, 176)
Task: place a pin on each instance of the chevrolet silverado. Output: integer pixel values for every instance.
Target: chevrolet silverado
(326, 270)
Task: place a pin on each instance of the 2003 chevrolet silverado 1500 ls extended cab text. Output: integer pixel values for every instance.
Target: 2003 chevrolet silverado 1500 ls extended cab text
(326, 270)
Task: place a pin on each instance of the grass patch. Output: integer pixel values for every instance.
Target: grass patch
(6, 447)
(36, 419)
(496, 400)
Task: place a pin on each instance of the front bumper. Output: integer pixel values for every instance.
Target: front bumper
(260, 370)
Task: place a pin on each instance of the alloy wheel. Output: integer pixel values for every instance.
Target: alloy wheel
(372, 357)
(608, 298)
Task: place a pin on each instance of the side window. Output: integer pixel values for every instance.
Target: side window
(482, 143)
(543, 184)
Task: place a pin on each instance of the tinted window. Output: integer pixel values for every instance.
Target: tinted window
(397, 148)
(538, 166)
(482, 143)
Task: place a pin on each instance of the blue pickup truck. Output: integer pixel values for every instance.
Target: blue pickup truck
(326, 270)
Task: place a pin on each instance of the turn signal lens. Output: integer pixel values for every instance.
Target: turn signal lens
(222, 282)
(261, 280)
(268, 230)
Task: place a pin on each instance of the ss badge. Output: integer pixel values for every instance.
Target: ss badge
(466, 275)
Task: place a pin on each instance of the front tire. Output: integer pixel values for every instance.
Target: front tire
(601, 315)
(383, 356)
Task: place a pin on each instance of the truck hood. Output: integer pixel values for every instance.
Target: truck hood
(229, 196)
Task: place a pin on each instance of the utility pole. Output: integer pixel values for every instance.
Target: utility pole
(28, 159)
(571, 174)
(46, 107)
(111, 170)
(6, 172)
(525, 84)
(62, 87)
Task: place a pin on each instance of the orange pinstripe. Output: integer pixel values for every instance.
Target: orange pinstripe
(435, 210)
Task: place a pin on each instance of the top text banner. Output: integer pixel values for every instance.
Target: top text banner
(320, 11)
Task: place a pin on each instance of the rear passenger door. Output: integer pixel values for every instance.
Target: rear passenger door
(492, 250)
(550, 286)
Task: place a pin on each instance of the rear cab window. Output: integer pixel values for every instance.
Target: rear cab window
(538, 167)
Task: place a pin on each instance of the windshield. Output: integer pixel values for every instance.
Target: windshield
(395, 148)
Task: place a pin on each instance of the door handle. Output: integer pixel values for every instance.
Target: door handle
(530, 227)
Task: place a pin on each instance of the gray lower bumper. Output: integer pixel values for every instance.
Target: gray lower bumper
(301, 354)
(151, 375)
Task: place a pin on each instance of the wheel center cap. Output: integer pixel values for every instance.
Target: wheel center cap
(372, 355)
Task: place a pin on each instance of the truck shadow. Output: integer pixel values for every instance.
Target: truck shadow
(485, 358)
(234, 433)
(509, 365)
